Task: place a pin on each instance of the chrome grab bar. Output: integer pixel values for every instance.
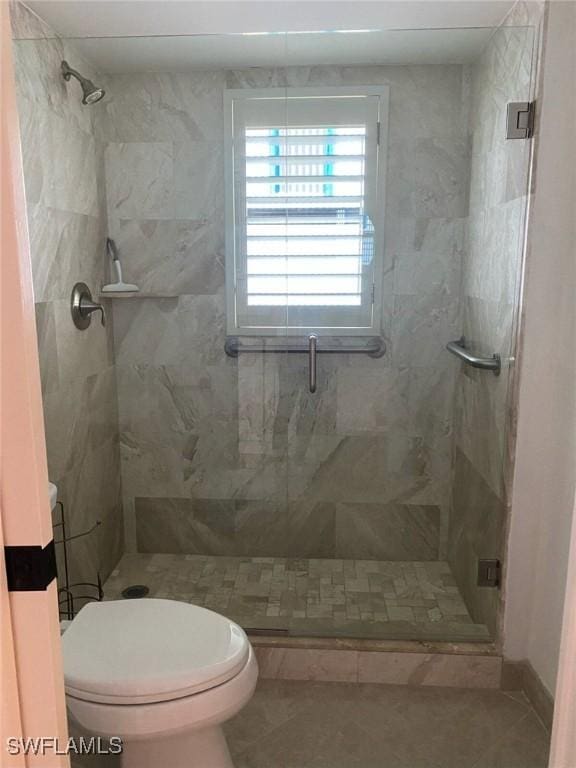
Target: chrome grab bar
(374, 347)
(312, 348)
(459, 349)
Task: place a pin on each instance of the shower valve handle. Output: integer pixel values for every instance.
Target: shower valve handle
(82, 306)
(87, 307)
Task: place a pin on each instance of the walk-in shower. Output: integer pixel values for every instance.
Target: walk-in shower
(274, 427)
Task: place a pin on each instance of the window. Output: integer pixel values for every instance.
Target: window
(304, 185)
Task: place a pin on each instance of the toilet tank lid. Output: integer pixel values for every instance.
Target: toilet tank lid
(139, 651)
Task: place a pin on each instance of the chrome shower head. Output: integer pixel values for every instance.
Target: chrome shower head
(90, 92)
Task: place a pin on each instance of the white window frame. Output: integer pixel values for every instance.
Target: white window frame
(231, 97)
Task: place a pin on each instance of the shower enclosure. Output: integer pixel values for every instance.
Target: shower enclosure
(311, 220)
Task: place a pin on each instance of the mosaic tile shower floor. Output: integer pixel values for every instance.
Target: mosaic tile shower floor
(344, 598)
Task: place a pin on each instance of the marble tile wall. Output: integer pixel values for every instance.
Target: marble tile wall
(226, 456)
(63, 173)
(491, 275)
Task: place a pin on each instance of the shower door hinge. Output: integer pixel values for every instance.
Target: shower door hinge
(488, 573)
(378, 133)
(373, 299)
(520, 120)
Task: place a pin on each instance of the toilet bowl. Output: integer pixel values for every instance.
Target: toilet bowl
(160, 674)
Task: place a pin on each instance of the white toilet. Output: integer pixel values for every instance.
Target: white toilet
(160, 674)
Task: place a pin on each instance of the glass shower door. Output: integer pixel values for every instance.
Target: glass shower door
(340, 465)
(397, 463)
(298, 448)
(490, 306)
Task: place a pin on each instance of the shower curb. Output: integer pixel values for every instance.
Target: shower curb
(413, 665)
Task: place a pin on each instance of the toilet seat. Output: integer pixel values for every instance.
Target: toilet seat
(149, 650)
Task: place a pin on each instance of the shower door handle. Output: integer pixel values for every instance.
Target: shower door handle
(312, 349)
(459, 349)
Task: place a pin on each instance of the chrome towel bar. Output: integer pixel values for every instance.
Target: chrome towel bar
(459, 349)
(375, 347)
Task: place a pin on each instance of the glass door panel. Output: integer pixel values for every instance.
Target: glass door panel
(311, 218)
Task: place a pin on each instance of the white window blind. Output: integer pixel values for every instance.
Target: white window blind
(303, 242)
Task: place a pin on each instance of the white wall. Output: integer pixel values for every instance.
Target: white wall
(543, 496)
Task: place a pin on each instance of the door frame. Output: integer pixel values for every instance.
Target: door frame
(563, 744)
(33, 700)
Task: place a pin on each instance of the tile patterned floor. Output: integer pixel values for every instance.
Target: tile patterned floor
(290, 724)
(355, 597)
(340, 725)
